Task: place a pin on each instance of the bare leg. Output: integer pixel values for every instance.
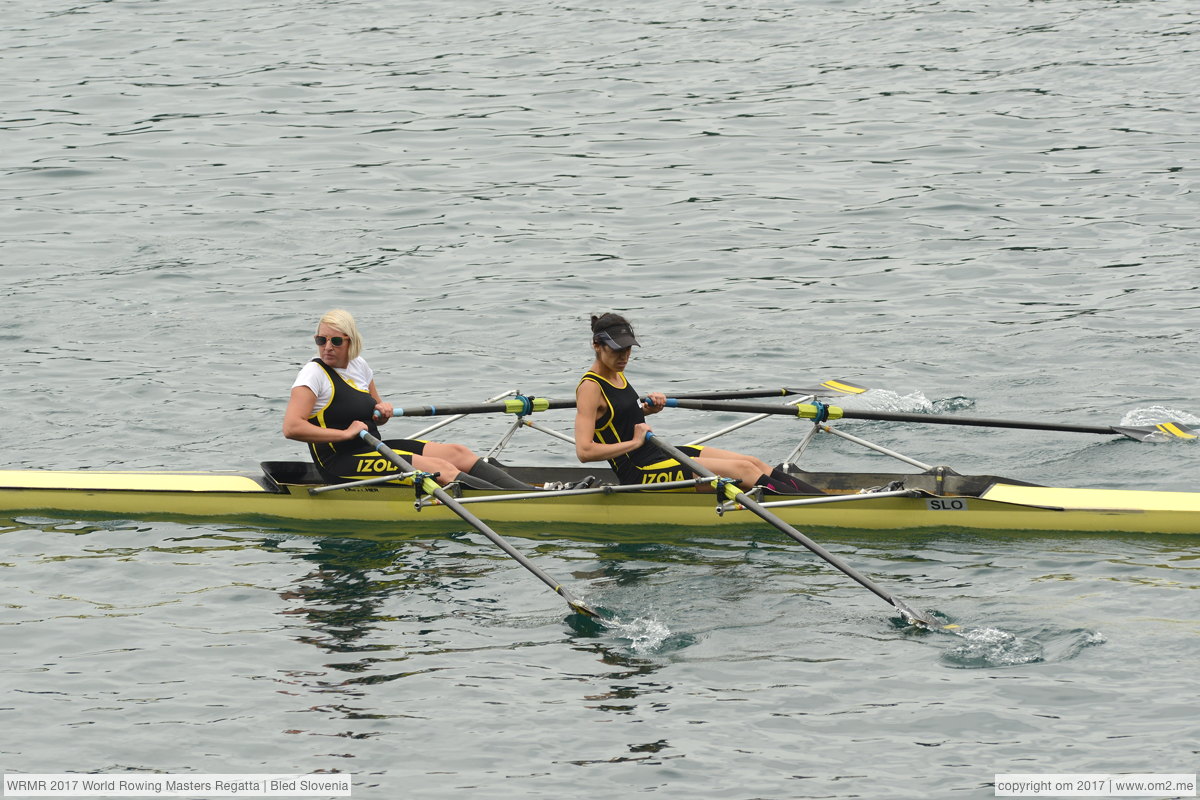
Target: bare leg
(445, 470)
(458, 455)
(746, 470)
(728, 455)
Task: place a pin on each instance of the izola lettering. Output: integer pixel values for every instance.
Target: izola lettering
(662, 477)
(374, 465)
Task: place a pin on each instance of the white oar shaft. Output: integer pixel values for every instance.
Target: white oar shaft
(548, 431)
(738, 425)
(877, 448)
(839, 498)
(548, 494)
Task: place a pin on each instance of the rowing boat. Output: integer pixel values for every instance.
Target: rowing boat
(291, 493)
(936, 498)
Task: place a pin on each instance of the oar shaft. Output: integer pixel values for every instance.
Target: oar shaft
(783, 527)
(454, 418)
(520, 404)
(830, 387)
(745, 394)
(432, 487)
(516, 405)
(811, 411)
(979, 422)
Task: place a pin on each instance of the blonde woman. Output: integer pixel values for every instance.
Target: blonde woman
(334, 397)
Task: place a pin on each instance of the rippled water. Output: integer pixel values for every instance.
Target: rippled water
(984, 208)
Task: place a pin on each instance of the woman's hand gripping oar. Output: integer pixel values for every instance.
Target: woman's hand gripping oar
(733, 493)
(431, 486)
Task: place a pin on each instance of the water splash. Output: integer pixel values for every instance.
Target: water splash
(887, 400)
(643, 634)
(949, 405)
(992, 647)
(1153, 415)
(640, 635)
(983, 648)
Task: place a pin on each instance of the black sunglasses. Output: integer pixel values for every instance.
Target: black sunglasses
(337, 341)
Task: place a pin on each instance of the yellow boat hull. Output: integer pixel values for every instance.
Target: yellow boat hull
(998, 506)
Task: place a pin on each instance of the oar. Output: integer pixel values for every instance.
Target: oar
(515, 405)
(830, 387)
(520, 404)
(733, 493)
(1170, 430)
(431, 486)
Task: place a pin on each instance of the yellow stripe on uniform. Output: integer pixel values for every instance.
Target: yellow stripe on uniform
(664, 464)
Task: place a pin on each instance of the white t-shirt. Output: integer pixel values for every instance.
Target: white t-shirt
(357, 373)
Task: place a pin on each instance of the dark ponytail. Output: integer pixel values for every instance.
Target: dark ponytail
(607, 320)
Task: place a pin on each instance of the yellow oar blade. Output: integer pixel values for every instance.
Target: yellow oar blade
(1163, 431)
(843, 387)
(1176, 430)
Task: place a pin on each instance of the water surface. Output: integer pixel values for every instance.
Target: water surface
(977, 208)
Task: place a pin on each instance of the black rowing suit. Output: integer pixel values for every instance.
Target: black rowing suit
(353, 459)
(647, 464)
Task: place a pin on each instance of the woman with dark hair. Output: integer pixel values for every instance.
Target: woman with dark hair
(610, 424)
(334, 398)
